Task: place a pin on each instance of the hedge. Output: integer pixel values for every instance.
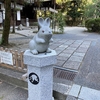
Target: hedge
(93, 25)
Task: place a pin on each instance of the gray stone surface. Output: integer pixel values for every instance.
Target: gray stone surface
(41, 59)
(62, 58)
(40, 72)
(65, 54)
(72, 48)
(76, 58)
(60, 63)
(20, 93)
(89, 71)
(79, 54)
(89, 94)
(82, 50)
(71, 98)
(69, 51)
(12, 92)
(72, 65)
(5, 89)
(75, 90)
(61, 88)
(59, 48)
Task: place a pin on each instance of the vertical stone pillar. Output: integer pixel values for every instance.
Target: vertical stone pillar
(40, 75)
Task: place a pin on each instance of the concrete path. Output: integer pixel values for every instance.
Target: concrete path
(78, 51)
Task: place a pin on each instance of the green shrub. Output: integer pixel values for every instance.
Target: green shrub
(93, 25)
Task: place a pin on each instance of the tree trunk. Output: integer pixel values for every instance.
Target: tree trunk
(14, 17)
(6, 29)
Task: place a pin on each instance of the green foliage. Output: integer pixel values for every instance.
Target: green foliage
(75, 10)
(59, 20)
(93, 25)
(89, 11)
(98, 9)
(92, 9)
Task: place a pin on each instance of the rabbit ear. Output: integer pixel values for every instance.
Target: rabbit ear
(47, 22)
(41, 21)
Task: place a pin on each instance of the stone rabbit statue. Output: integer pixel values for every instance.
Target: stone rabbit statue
(40, 42)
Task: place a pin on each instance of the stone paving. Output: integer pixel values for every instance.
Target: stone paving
(12, 92)
(70, 52)
(78, 92)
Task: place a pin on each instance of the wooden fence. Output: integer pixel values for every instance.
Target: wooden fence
(17, 59)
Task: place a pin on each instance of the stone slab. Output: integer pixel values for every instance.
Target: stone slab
(53, 46)
(82, 50)
(62, 58)
(76, 58)
(74, 45)
(65, 54)
(58, 51)
(87, 42)
(69, 42)
(60, 63)
(59, 48)
(78, 54)
(72, 65)
(75, 90)
(68, 51)
(84, 46)
(72, 48)
(63, 46)
(78, 41)
(89, 94)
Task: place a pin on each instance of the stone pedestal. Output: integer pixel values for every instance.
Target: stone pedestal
(40, 72)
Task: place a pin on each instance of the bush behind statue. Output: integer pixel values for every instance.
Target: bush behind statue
(93, 25)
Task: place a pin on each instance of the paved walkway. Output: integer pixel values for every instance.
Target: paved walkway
(78, 51)
(70, 52)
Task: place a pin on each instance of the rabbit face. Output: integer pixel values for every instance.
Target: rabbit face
(45, 32)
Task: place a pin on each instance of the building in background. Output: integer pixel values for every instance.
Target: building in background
(19, 7)
(34, 9)
(27, 9)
